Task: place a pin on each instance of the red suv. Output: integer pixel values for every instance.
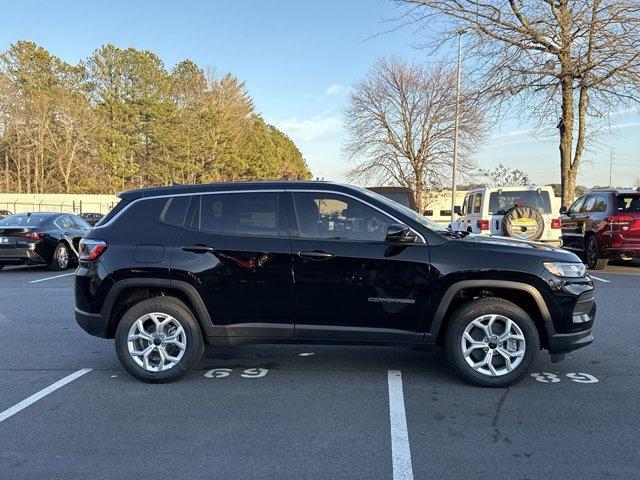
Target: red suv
(603, 224)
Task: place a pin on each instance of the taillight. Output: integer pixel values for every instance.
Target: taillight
(555, 223)
(91, 249)
(33, 236)
(620, 219)
(483, 224)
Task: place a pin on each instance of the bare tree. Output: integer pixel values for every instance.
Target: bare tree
(576, 60)
(400, 121)
(503, 175)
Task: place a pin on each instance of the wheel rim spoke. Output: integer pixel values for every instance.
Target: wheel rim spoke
(147, 342)
(493, 345)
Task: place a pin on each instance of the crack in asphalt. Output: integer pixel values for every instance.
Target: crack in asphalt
(494, 421)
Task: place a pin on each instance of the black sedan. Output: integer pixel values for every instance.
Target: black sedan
(41, 239)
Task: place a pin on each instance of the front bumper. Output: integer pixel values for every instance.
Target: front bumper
(579, 336)
(92, 323)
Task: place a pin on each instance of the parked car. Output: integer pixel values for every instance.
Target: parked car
(92, 218)
(603, 224)
(4, 213)
(523, 213)
(41, 238)
(171, 268)
(402, 195)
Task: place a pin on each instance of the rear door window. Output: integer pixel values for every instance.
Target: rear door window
(237, 214)
(588, 204)
(600, 204)
(175, 210)
(629, 203)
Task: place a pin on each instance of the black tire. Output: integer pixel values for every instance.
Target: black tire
(465, 315)
(523, 223)
(56, 263)
(592, 254)
(179, 311)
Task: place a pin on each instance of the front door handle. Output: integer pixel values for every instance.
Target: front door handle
(198, 249)
(315, 255)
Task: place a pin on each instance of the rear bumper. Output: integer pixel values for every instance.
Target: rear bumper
(19, 256)
(91, 323)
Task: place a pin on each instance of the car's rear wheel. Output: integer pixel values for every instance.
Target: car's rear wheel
(60, 258)
(491, 342)
(158, 340)
(592, 254)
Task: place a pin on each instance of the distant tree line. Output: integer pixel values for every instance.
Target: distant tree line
(120, 120)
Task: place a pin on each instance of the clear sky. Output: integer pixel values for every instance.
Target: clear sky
(298, 59)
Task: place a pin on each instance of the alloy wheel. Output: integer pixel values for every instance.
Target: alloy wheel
(493, 345)
(62, 257)
(156, 342)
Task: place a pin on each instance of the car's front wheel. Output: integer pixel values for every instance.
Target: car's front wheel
(491, 342)
(158, 340)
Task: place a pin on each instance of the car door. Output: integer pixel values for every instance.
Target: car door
(349, 283)
(583, 220)
(234, 250)
(570, 228)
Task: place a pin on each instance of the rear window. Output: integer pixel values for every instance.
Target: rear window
(23, 220)
(114, 211)
(237, 214)
(175, 210)
(500, 202)
(629, 203)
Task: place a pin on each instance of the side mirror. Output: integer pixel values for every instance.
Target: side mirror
(563, 210)
(399, 233)
(457, 210)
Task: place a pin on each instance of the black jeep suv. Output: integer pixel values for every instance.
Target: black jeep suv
(173, 268)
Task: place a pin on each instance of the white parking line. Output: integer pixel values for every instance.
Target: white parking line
(42, 393)
(600, 279)
(51, 278)
(400, 449)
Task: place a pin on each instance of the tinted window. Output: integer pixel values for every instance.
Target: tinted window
(65, 222)
(464, 205)
(600, 204)
(576, 205)
(175, 210)
(113, 212)
(445, 213)
(588, 204)
(477, 201)
(628, 203)
(80, 223)
(19, 220)
(336, 217)
(500, 202)
(237, 214)
(428, 213)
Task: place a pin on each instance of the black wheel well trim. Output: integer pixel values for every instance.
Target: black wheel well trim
(197, 304)
(451, 292)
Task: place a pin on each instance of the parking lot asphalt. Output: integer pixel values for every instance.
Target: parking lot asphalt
(300, 411)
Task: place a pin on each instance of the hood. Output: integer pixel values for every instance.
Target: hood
(512, 245)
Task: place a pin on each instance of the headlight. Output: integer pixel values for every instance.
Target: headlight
(571, 270)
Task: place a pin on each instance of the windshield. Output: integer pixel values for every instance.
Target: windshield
(501, 201)
(23, 220)
(422, 220)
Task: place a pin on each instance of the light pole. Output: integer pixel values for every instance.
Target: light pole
(460, 32)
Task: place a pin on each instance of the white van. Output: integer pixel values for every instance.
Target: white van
(525, 213)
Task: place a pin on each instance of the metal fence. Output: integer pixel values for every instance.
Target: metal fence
(77, 207)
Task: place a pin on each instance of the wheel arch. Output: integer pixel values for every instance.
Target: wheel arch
(126, 293)
(524, 295)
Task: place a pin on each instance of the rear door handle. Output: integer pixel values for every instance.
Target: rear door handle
(198, 249)
(315, 255)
